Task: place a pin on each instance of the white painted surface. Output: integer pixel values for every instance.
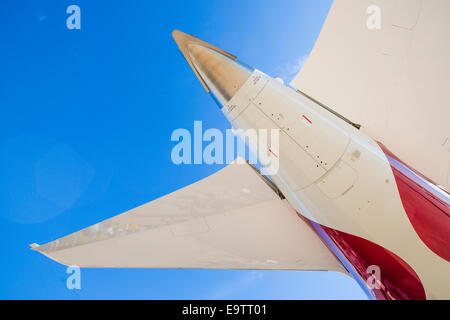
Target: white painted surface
(229, 220)
(370, 209)
(393, 81)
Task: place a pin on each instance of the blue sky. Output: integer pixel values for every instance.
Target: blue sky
(85, 123)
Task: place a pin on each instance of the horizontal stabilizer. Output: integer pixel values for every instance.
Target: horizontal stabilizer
(229, 220)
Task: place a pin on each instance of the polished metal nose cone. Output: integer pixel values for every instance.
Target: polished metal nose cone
(217, 70)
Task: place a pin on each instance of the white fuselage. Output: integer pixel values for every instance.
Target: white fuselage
(335, 175)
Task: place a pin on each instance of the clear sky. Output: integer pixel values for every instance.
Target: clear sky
(85, 123)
